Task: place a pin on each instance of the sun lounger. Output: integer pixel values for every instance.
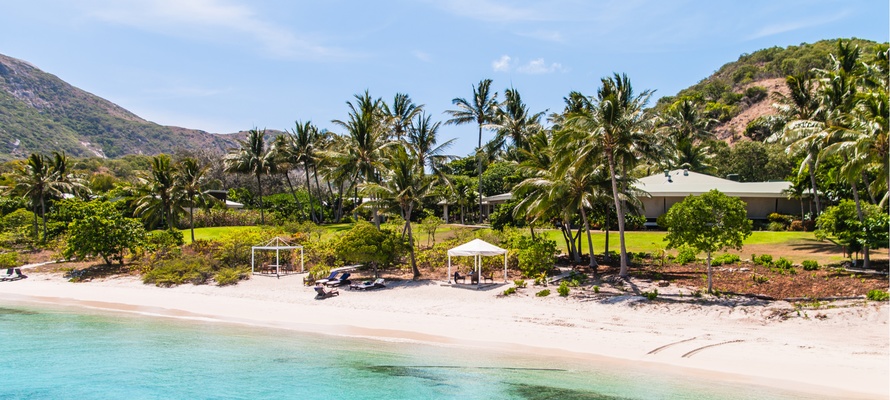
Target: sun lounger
(13, 274)
(459, 277)
(321, 293)
(367, 285)
(7, 275)
(344, 279)
(330, 277)
(490, 278)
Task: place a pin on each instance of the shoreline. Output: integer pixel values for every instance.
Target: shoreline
(844, 354)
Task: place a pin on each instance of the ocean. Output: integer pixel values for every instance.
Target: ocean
(62, 352)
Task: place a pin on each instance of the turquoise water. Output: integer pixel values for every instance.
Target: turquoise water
(74, 353)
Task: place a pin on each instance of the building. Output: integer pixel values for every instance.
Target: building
(670, 187)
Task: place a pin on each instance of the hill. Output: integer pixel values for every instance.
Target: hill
(740, 92)
(41, 113)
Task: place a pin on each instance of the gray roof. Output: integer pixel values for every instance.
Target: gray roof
(682, 184)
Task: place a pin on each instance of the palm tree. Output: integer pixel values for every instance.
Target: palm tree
(617, 115)
(252, 158)
(159, 203)
(422, 143)
(403, 186)
(480, 110)
(802, 133)
(399, 116)
(298, 147)
(514, 121)
(365, 140)
(36, 180)
(190, 178)
(686, 130)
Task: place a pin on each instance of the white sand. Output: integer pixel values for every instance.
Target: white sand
(846, 354)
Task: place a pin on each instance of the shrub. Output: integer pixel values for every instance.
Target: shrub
(766, 260)
(543, 293)
(783, 263)
(810, 265)
(725, 259)
(9, 260)
(759, 278)
(509, 291)
(563, 289)
(228, 276)
(596, 289)
(651, 295)
(797, 226)
(775, 227)
(878, 295)
(685, 255)
(520, 283)
(194, 269)
(535, 255)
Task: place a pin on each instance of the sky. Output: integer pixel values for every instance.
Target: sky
(225, 66)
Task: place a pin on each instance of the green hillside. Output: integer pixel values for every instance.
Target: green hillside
(40, 113)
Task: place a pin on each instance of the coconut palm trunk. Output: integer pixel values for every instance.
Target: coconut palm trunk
(812, 168)
(620, 214)
(592, 264)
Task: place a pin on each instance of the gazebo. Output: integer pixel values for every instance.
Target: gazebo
(477, 248)
(277, 244)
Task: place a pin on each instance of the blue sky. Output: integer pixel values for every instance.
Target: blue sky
(229, 65)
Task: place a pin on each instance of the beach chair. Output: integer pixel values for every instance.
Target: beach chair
(459, 277)
(8, 275)
(321, 293)
(488, 278)
(330, 277)
(344, 279)
(366, 285)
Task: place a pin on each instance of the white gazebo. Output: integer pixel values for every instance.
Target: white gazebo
(277, 244)
(477, 248)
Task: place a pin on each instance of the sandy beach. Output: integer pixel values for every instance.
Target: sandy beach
(841, 349)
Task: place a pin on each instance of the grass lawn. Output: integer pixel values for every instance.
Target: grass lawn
(796, 246)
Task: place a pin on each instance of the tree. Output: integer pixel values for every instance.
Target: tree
(252, 158)
(400, 114)
(422, 142)
(402, 186)
(37, 180)
(843, 223)
(159, 203)
(102, 230)
(481, 110)
(514, 122)
(710, 222)
(366, 244)
(190, 178)
(615, 117)
(298, 147)
(365, 141)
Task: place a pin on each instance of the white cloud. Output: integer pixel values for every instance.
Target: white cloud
(212, 20)
(502, 64)
(538, 66)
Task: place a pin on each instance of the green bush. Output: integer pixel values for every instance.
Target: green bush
(725, 259)
(9, 260)
(651, 295)
(563, 289)
(163, 240)
(766, 260)
(535, 255)
(228, 276)
(194, 269)
(759, 278)
(596, 289)
(810, 265)
(783, 263)
(775, 227)
(509, 291)
(543, 293)
(878, 295)
(685, 255)
(520, 283)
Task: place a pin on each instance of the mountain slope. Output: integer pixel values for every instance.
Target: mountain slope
(41, 113)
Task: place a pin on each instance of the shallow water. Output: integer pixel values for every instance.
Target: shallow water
(66, 352)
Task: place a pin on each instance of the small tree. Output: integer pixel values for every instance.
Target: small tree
(429, 225)
(103, 231)
(707, 223)
(366, 244)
